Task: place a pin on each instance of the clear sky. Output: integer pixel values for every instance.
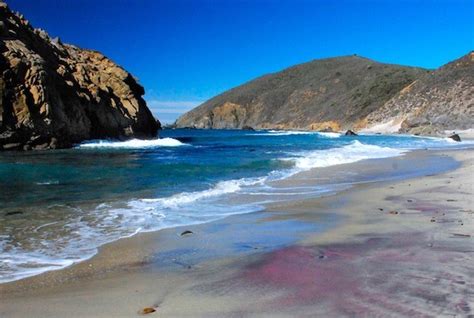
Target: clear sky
(186, 51)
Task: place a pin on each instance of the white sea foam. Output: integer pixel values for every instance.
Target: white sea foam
(23, 265)
(329, 134)
(48, 182)
(353, 152)
(285, 133)
(221, 188)
(298, 132)
(133, 143)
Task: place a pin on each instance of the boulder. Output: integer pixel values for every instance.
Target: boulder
(350, 133)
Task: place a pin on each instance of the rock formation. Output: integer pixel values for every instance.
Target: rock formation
(330, 94)
(54, 95)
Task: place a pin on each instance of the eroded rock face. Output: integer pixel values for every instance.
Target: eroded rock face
(54, 95)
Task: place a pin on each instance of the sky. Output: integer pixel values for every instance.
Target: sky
(187, 51)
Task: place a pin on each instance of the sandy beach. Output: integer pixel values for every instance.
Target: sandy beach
(236, 159)
(378, 248)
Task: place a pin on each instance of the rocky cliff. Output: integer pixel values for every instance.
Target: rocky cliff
(334, 93)
(54, 95)
(436, 101)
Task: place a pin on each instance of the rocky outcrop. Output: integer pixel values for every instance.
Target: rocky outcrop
(329, 94)
(437, 101)
(54, 95)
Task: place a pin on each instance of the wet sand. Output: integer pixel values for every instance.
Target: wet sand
(388, 248)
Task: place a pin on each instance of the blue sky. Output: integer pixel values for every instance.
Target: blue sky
(186, 51)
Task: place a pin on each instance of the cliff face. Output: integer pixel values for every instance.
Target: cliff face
(335, 93)
(437, 101)
(54, 95)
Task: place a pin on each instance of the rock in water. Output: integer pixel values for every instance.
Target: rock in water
(54, 95)
(455, 137)
(350, 133)
(247, 128)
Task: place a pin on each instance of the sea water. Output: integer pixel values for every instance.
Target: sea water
(57, 207)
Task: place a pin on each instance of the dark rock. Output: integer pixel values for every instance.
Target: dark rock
(13, 213)
(461, 235)
(350, 133)
(327, 129)
(247, 128)
(455, 137)
(187, 232)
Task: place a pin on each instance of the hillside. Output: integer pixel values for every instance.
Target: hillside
(334, 93)
(437, 101)
(54, 95)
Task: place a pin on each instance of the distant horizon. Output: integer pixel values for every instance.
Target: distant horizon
(184, 52)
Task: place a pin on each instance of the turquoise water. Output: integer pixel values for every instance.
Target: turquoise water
(57, 207)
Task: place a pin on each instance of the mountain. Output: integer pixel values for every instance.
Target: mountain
(54, 95)
(334, 93)
(437, 101)
(347, 93)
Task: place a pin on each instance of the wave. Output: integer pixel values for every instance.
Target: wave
(132, 144)
(39, 264)
(222, 187)
(329, 134)
(48, 182)
(298, 132)
(353, 152)
(286, 133)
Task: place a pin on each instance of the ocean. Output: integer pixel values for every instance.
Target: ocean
(58, 207)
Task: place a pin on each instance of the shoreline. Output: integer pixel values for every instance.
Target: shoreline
(138, 259)
(312, 177)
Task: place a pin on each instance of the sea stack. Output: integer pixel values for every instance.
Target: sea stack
(54, 95)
